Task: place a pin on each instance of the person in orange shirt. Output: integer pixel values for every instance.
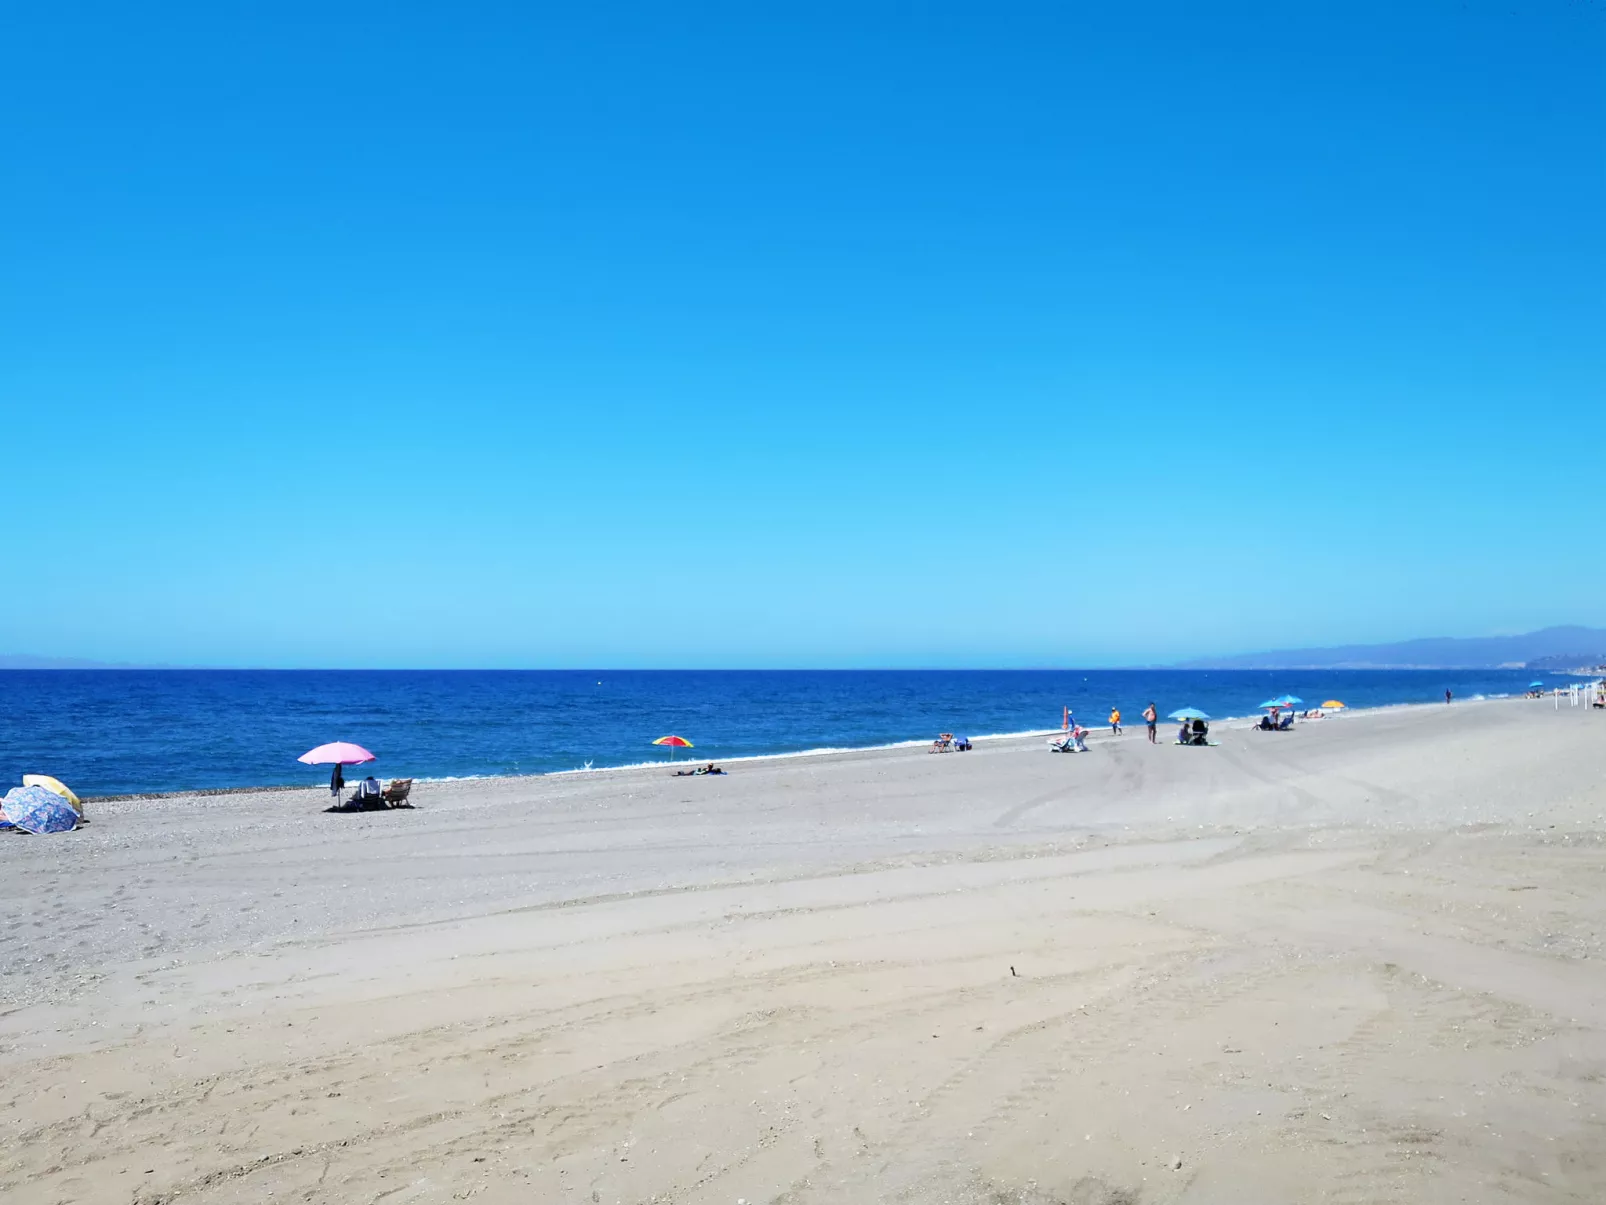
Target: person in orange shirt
(1115, 720)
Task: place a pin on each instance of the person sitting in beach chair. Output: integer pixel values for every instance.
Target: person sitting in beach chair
(396, 793)
(1069, 743)
(1074, 741)
(1266, 725)
(369, 796)
(943, 744)
(1197, 733)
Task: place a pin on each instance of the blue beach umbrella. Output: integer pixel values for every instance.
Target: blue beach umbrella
(1535, 685)
(1188, 713)
(36, 810)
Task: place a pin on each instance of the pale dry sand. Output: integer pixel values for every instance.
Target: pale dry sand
(1360, 962)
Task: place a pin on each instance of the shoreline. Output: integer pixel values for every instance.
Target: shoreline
(1358, 961)
(1096, 735)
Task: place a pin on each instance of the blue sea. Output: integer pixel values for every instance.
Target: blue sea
(112, 732)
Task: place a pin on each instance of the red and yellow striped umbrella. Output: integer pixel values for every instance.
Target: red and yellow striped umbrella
(674, 742)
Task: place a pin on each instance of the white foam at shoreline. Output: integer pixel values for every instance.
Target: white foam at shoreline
(836, 750)
(1098, 733)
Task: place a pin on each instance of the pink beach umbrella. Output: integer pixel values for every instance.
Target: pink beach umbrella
(343, 752)
(336, 752)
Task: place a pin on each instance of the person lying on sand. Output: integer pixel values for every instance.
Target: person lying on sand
(710, 768)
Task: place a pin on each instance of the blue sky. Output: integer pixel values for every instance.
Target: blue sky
(727, 335)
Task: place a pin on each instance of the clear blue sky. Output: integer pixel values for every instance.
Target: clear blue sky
(827, 334)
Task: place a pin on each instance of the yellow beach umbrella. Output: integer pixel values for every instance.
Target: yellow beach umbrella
(55, 785)
(1332, 705)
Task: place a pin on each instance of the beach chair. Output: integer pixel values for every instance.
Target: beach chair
(943, 744)
(395, 795)
(1288, 722)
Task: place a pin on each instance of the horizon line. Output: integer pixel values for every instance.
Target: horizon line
(1193, 667)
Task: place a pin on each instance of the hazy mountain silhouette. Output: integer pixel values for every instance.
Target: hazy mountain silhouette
(1574, 645)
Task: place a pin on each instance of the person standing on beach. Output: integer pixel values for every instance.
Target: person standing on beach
(1115, 721)
(1446, 696)
(1152, 718)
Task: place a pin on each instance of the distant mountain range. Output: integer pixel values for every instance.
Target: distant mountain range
(1552, 649)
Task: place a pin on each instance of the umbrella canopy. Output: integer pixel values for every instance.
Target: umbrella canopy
(1189, 713)
(675, 742)
(55, 786)
(36, 810)
(1535, 685)
(1332, 705)
(1291, 701)
(343, 752)
(1270, 703)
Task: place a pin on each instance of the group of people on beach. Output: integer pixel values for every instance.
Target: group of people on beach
(1195, 730)
(1150, 716)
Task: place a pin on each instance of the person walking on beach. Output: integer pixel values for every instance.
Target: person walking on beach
(1115, 721)
(1152, 718)
(1446, 696)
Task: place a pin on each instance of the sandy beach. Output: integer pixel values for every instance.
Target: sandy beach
(1359, 962)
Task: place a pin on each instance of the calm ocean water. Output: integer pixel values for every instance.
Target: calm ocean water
(110, 732)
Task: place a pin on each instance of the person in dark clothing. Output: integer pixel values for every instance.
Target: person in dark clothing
(1446, 696)
(337, 782)
(710, 768)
